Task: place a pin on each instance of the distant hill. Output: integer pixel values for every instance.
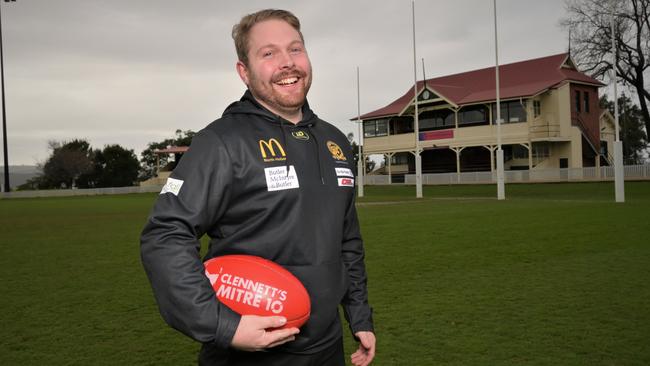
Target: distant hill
(19, 174)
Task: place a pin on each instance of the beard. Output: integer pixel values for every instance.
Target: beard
(271, 95)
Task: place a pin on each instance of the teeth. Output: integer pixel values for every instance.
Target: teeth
(288, 81)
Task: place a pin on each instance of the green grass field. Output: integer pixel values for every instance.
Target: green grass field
(558, 274)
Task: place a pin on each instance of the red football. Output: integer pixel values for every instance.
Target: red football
(251, 285)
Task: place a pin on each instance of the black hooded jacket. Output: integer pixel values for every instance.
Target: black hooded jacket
(233, 185)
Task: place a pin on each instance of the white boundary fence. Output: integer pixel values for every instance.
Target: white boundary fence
(632, 172)
(81, 192)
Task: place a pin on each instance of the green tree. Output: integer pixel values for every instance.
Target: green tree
(114, 166)
(67, 163)
(589, 23)
(76, 164)
(635, 140)
(149, 159)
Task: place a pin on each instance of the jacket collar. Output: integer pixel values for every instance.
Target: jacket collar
(249, 105)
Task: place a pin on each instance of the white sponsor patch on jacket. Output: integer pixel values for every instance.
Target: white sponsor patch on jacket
(346, 182)
(344, 172)
(172, 186)
(278, 180)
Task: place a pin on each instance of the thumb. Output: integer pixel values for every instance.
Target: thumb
(272, 321)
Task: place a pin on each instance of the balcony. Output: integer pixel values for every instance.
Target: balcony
(401, 142)
(463, 136)
(544, 128)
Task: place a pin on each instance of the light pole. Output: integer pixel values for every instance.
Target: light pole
(7, 187)
(501, 191)
(416, 123)
(619, 174)
(360, 159)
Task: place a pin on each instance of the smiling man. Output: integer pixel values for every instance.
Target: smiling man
(269, 178)
(277, 71)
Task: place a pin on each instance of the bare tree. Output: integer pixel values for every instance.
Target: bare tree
(589, 23)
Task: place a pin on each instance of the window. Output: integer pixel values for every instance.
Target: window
(472, 115)
(577, 101)
(382, 127)
(426, 122)
(511, 112)
(516, 112)
(375, 128)
(603, 148)
(519, 152)
(537, 108)
(400, 125)
(431, 120)
(541, 151)
(564, 163)
(586, 96)
(400, 159)
(369, 129)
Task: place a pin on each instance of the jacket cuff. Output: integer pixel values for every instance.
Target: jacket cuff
(362, 327)
(360, 318)
(226, 327)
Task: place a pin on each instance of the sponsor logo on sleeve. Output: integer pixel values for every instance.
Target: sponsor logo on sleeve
(346, 182)
(172, 186)
(277, 178)
(271, 150)
(344, 172)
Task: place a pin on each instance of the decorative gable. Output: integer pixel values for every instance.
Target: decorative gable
(426, 95)
(569, 64)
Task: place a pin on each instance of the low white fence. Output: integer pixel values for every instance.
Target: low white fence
(375, 180)
(80, 192)
(632, 172)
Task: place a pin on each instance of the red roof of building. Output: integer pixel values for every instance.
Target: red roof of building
(172, 150)
(519, 79)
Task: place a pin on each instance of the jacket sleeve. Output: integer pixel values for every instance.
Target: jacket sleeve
(356, 309)
(190, 203)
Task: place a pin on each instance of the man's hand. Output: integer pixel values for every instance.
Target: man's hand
(255, 333)
(366, 352)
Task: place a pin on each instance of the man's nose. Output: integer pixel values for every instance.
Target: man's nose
(286, 61)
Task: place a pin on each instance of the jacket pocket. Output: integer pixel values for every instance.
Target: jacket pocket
(326, 284)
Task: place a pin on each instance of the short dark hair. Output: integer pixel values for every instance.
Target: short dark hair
(241, 30)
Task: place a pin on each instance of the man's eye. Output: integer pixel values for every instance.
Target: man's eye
(296, 50)
(267, 54)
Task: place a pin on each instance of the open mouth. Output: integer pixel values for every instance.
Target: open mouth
(287, 81)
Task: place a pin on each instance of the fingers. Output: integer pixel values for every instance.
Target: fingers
(360, 358)
(255, 333)
(282, 341)
(266, 322)
(277, 337)
(366, 352)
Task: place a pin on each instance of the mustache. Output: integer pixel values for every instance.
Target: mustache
(289, 74)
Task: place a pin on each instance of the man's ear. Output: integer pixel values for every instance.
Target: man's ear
(242, 70)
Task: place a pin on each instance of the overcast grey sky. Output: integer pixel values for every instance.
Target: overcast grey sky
(133, 71)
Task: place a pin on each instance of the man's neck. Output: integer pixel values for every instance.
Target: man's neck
(292, 116)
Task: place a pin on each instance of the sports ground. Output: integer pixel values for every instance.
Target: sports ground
(558, 274)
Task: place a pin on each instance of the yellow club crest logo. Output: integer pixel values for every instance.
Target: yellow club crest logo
(336, 151)
(272, 150)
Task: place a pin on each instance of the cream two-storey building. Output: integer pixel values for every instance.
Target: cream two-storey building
(549, 111)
